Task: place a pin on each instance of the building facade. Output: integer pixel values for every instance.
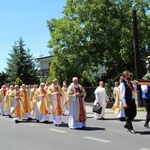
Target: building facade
(44, 67)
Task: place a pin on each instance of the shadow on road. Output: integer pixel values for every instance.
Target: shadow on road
(90, 117)
(64, 124)
(92, 129)
(34, 121)
(138, 120)
(143, 132)
(111, 119)
(135, 120)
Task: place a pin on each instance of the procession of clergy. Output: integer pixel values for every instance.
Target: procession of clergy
(25, 102)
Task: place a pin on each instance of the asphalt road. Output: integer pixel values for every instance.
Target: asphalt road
(98, 135)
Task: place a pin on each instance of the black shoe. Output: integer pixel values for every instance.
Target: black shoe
(37, 120)
(16, 121)
(126, 126)
(122, 119)
(132, 131)
(46, 121)
(147, 126)
(29, 119)
(102, 118)
(57, 125)
(10, 116)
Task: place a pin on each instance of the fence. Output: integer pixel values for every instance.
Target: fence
(90, 97)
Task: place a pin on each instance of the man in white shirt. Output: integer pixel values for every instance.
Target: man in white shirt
(127, 97)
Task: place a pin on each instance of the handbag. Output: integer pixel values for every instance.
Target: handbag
(97, 109)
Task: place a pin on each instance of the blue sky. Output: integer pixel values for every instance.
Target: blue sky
(26, 18)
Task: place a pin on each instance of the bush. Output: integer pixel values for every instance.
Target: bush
(18, 81)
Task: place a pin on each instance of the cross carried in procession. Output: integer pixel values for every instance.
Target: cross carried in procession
(146, 79)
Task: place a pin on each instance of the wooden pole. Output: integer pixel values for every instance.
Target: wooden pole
(136, 54)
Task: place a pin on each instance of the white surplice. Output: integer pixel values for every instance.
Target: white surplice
(101, 97)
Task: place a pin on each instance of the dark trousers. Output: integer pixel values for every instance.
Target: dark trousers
(130, 113)
(147, 107)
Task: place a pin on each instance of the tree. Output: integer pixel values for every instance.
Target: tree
(21, 65)
(3, 77)
(98, 32)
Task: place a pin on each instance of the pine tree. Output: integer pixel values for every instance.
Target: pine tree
(21, 65)
(3, 77)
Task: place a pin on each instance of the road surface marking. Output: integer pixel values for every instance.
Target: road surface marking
(144, 149)
(97, 139)
(59, 131)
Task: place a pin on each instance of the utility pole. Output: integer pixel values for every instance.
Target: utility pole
(136, 53)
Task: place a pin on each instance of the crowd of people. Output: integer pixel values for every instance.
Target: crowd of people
(125, 106)
(39, 102)
(26, 102)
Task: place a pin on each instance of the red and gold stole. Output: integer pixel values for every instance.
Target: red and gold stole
(4, 92)
(18, 108)
(58, 107)
(26, 102)
(82, 113)
(43, 108)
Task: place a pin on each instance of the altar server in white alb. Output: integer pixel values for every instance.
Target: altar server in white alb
(76, 106)
(100, 98)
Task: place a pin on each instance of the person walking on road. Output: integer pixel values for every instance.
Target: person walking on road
(101, 98)
(118, 105)
(146, 102)
(126, 96)
(76, 105)
(55, 92)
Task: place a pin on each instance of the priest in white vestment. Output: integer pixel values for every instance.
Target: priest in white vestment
(42, 113)
(64, 96)
(3, 91)
(101, 98)
(33, 99)
(18, 110)
(24, 95)
(76, 106)
(55, 93)
(9, 100)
